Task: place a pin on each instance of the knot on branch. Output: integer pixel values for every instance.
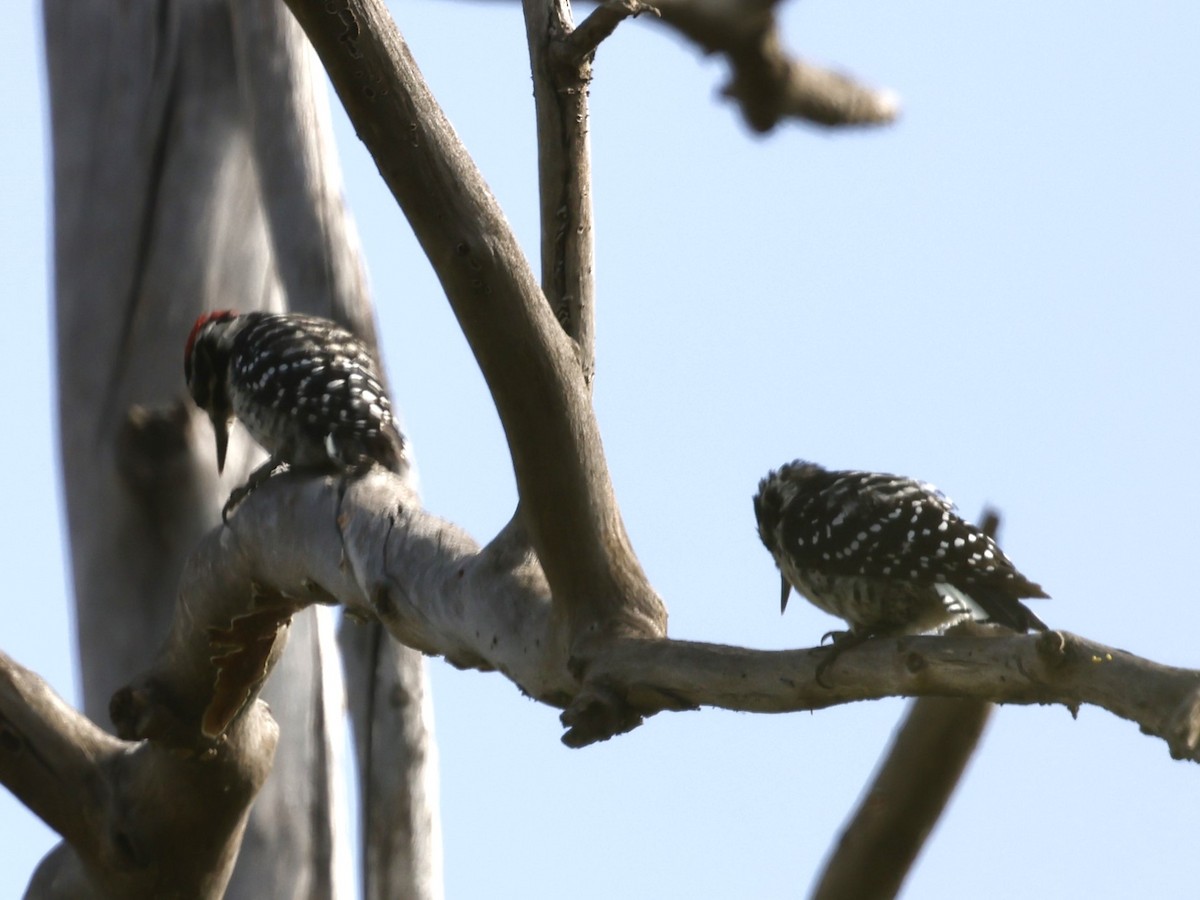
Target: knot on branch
(148, 711)
(1182, 732)
(598, 712)
(152, 446)
(319, 594)
(1053, 648)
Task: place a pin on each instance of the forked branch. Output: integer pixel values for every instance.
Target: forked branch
(139, 819)
(531, 366)
(580, 45)
(767, 82)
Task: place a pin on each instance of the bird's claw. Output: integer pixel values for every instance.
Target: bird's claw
(236, 496)
(257, 477)
(840, 642)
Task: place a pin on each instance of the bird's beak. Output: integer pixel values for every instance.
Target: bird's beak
(221, 430)
(784, 590)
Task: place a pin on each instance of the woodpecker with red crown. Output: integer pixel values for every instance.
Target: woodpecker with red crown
(308, 391)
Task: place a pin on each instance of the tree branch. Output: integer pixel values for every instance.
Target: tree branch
(768, 84)
(1054, 667)
(580, 45)
(140, 820)
(49, 752)
(434, 589)
(907, 795)
(560, 90)
(530, 365)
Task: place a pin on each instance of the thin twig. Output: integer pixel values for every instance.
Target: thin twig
(579, 45)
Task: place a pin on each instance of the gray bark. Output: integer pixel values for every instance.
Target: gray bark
(904, 800)
(397, 762)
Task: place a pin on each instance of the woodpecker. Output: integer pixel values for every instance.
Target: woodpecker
(306, 389)
(888, 554)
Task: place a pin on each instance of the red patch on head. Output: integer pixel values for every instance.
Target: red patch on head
(219, 315)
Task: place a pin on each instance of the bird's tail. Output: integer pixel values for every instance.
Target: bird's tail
(1004, 609)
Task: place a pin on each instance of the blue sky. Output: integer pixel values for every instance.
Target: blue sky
(998, 295)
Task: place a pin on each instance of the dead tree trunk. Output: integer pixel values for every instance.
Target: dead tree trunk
(194, 169)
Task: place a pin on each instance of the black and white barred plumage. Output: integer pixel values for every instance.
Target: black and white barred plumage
(887, 554)
(306, 389)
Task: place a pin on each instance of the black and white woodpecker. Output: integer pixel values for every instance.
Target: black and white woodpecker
(887, 554)
(307, 390)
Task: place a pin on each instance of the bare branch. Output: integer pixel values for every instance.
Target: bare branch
(49, 753)
(435, 590)
(907, 795)
(580, 45)
(141, 821)
(560, 90)
(531, 366)
(768, 83)
(1054, 667)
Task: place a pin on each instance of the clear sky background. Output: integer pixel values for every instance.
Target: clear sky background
(998, 295)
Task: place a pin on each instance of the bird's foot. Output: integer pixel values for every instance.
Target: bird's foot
(257, 477)
(841, 641)
(236, 496)
(835, 636)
